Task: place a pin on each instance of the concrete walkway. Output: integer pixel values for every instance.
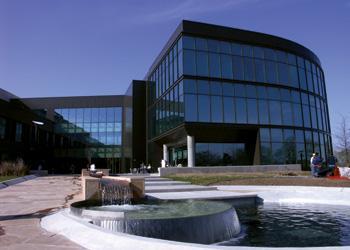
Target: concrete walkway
(23, 205)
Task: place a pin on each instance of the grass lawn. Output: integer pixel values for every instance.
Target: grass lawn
(5, 178)
(269, 178)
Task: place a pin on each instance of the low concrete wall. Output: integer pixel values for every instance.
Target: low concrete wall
(15, 181)
(105, 171)
(228, 169)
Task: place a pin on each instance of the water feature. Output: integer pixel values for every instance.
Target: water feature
(293, 225)
(195, 221)
(115, 192)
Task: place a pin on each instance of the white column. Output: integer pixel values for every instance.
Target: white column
(165, 153)
(190, 151)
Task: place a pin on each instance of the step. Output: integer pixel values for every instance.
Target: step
(177, 188)
(165, 183)
(208, 194)
(148, 179)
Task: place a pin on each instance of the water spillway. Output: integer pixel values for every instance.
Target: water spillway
(194, 221)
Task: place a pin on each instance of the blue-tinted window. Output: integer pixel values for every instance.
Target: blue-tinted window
(285, 94)
(240, 90)
(238, 69)
(247, 50)
(225, 47)
(201, 44)
(248, 69)
(271, 73)
(313, 117)
(94, 114)
(269, 54)
(263, 112)
(251, 91)
(274, 93)
(283, 73)
(236, 49)
(265, 134)
(276, 135)
(299, 135)
(281, 56)
(293, 76)
(203, 87)
(310, 84)
(262, 93)
(189, 86)
(229, 110)
(191, 108)
(259, 70)
(275, 112)
(214, 65)
(258, 52)
(301, 63)
(287, 113)
(228, 89)
(180, 64)
(188, 42)
(298, 119)
(252, 111)
(306, 116)
(292, 59)
(216, 109)
(226, 66)
(203, 108)
(241, 110)
(213, 45)
(202, 63)
(215, 88)
(189, 62)
(302, 78)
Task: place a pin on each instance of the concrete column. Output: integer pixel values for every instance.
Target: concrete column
(165, 153)
(190, 151)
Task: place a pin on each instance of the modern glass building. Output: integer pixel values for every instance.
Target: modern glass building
(214, 96)
(224, 96)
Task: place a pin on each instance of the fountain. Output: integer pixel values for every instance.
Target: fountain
(118, 204)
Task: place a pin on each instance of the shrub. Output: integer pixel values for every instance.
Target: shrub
(17, 168)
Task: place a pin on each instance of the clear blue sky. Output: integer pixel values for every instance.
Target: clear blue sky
(96, 47)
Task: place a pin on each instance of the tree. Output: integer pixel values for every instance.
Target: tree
(343, 141)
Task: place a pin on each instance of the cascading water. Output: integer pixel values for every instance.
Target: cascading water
(115, 192)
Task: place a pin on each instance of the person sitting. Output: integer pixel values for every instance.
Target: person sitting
(332, 162)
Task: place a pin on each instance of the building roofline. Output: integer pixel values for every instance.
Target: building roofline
(233, 34)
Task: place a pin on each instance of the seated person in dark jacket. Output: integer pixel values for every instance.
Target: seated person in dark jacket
(320, 170)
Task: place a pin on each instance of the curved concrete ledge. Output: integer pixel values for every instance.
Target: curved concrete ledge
(15, 181)
(295, 194)
(94, 237)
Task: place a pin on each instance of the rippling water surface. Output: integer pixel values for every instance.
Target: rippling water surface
(299, 225)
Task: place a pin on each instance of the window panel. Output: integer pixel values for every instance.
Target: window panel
(189, 62)
(287, 113)
(297, 114)
(247, 50)
(229, 110)
(269, 54)
(226, 67)
(293, 76)
(283, 76)
(276, 135)
(228, 89)
(274, 93)
(191, 107)
(201, 44)
(213, 45)
(302, 78)
(202, 63)
(248, 69)
(263, 112)
(241, 110)
(215, 88)
(252, 111)
(203, 87)
(258, 52)
(271, 73)
(225, 47)
(275, 112)
(265, 135)
(238, 69)
(188, 42)
(240, 90)
(203, 108)
(214, 65)
(189, 86)
(259, 70)
(216, 109)
(251, 91)
(236, 49)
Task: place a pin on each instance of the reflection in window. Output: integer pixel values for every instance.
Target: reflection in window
(226, 66)
(189, 66)
(241, 110)
(275, 112)
(214, 65)
(202, 64)
(252, 111)
(203, 108)
(191, 108)
(229, 110)
(216, 109)
(238, 70)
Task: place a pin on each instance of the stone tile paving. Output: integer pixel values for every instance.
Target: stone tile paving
(23, 205)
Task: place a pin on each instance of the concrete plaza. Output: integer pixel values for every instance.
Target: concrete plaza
(24, 204)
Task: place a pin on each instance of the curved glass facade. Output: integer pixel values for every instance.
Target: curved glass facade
(209, 81)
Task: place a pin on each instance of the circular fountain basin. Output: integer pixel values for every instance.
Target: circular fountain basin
(195, 221)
